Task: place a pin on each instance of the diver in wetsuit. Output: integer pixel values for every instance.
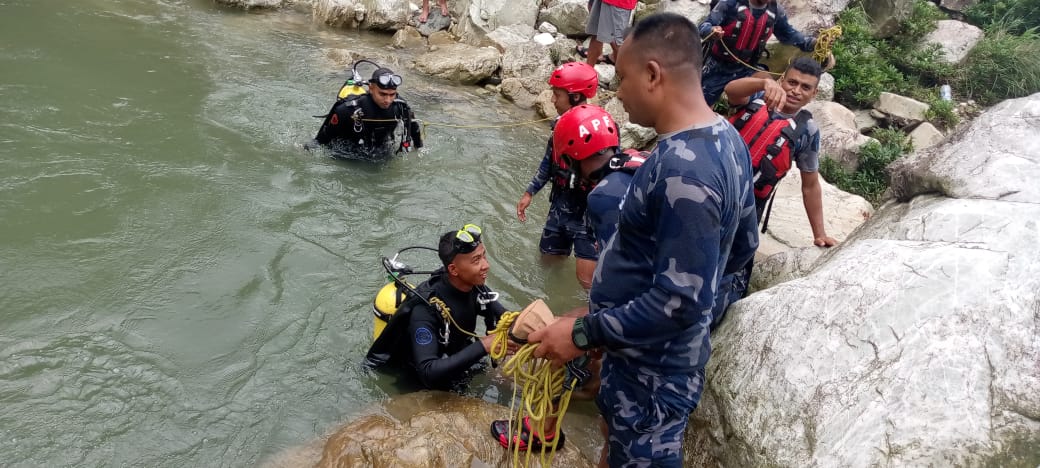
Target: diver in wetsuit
(440, 352)
(371, 125)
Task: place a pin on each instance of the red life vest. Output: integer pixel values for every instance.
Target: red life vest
(770, 141)
(745, 35)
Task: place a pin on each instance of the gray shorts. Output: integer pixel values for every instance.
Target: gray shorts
(608, 22)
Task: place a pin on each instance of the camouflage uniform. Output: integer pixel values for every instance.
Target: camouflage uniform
(604, 206)
(688, 206)
(565, 225)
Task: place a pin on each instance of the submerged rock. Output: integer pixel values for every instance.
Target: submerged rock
(433, 429)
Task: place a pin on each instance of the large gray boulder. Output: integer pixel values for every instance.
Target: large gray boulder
(339, 13)
(954, 38)
(478, 18)
(380, 15)
(788, 226)
(568, 16)
(386, 15)
(530, 61)
(995, 158)
(460, 63)
(510, 36)
(914, 343)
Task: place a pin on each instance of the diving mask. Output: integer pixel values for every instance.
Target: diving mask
(466, 239)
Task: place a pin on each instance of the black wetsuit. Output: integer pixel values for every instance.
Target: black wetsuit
(412, 339)
(440, 366)
(371, 134)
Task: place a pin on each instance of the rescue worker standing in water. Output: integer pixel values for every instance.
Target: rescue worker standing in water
(372, 125)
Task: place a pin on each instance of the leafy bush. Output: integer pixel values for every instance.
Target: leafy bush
(941, 112)
(867, 66)
(1002, 65)
(870, 179)
(861, 72)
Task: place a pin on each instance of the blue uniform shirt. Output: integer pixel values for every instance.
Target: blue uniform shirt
(605, 206)
(654, 285)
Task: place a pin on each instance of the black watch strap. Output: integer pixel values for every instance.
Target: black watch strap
(579, 336)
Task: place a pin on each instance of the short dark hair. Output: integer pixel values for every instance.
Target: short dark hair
(671, 39)
(446, 248)
(807, 65)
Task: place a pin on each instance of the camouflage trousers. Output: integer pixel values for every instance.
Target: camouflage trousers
(646, 414)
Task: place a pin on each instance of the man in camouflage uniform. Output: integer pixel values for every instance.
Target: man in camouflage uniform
(688, 211)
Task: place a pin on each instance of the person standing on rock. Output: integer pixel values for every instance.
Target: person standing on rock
(688, 209)
(572, 83)
(425, 15)
(741, 29)
(608, 20)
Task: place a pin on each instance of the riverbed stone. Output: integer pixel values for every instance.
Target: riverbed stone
(407, 38)
(460, 63)
(607, 76)
(840, 139)
(440, 38)
(902, 108)
(825, 88)
(529, 60)
(925, 136)
(547, 27)
(810, 16)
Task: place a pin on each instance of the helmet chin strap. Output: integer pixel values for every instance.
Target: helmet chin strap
(615, 162)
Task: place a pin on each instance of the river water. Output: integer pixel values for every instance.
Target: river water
(181, 284)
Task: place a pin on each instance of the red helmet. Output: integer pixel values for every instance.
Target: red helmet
(583, 131)
(575, 77)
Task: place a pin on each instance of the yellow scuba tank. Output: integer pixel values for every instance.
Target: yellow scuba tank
(349, 89)
(388, 299)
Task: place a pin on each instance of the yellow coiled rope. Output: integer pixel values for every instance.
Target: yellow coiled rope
(543, 393)
(824, 44)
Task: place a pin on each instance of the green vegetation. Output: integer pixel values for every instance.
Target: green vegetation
(1003, 65)
(941, 113)
(1015, 16)
(870, 179)
(867, 66)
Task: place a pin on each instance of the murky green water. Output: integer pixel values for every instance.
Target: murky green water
(180, 283)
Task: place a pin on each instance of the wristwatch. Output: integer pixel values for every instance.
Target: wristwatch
(578, 335)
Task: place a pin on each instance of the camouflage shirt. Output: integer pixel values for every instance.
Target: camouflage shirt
(654, 286)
